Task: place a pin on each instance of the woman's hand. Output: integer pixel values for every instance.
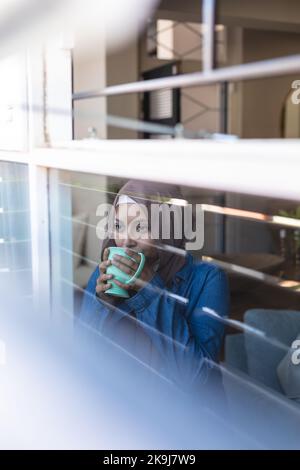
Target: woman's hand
(102, 284)
(130, 267)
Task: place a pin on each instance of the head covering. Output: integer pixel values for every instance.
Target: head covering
(171, 254)
(123, 199)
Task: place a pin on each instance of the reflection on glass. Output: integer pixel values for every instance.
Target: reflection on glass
(15, 233)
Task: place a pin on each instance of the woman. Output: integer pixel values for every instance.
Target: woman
(162, 322)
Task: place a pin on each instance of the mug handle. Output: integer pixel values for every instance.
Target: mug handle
(138, 271)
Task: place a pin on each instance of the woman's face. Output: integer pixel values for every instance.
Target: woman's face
(131, 230)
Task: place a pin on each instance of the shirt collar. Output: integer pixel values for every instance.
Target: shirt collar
(184, 271)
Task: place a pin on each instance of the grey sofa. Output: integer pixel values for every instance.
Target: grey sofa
(257, 357)
(257, 404)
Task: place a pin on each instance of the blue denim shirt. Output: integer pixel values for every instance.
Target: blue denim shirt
(172, 320)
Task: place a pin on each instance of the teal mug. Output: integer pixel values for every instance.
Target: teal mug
(120, 275)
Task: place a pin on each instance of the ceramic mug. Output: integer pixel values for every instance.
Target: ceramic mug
(119, 274)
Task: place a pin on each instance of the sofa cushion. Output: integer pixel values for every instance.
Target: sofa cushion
(235, 354)
(289, 372)
(265, 353)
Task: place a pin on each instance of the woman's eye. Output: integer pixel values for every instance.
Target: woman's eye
(118, 226)
(141, 228)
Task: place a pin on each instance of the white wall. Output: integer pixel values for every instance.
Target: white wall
(89, 73)
(122, 67)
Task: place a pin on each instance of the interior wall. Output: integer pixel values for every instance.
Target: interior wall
(283, 15)
(263, 99)
(89, 73)
(122, 66)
